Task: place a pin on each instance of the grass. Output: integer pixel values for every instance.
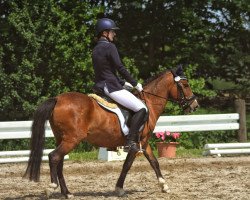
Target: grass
(84, 156)
(189, 153)
(93, 155)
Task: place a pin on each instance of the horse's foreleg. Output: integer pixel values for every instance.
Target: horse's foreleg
(126, 166)
(155, 165)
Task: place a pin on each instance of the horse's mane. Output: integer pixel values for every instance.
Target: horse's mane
(176, 72)
(155, 77)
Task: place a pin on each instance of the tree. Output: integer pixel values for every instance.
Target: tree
(45, 50)
(46, 45)
(231, 41)
(212, 35)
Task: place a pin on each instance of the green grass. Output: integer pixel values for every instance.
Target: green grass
(189, 153)
(93, 155)
(84, 156)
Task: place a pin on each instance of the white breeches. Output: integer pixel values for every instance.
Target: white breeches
(126, 99)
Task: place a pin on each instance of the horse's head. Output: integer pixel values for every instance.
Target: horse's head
(182, 93)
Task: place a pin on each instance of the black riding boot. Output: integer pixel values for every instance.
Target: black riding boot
(136, 122)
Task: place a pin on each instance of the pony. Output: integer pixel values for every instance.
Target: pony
(76, 117)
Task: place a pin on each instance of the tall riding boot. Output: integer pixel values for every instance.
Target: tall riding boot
(136, 122)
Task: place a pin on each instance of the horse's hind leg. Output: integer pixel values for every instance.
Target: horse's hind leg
(155, 165)
(64, 189)
(126, 166)
(56, 159)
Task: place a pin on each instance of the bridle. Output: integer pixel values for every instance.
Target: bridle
(183, 101)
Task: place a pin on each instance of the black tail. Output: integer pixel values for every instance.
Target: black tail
(42, 114)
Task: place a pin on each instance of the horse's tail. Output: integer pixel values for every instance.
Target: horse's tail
(42, 114)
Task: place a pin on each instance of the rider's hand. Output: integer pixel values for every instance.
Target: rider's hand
(128, 86)
(138, 87)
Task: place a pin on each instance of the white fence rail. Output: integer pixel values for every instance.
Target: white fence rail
(208, 122)
(20, 130)
(226, 148)
(181, 123)
(193, 123)
(188, 123)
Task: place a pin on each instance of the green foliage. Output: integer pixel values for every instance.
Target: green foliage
(211, 35)
(199, 139)
(23, 144)
(45, 51)
(45, 48)
(11, 145)
(198, 84)
(129, 63)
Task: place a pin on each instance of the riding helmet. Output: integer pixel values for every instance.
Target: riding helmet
(105, 24)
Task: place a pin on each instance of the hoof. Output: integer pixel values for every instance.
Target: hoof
(163, 185)
(165, 188)
(53, 185)
(48, 192)
(69, 196)
(120, 192)
(51, 189)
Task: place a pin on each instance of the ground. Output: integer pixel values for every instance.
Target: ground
(207, 178)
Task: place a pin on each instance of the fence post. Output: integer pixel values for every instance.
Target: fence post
(240, 107)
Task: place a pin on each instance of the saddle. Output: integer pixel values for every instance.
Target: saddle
(124, 115)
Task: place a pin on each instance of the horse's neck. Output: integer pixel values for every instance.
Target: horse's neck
(156, 97)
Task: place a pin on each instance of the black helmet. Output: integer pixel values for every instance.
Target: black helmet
(105, 24)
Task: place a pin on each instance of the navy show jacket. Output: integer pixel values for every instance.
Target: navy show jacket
(107, 63)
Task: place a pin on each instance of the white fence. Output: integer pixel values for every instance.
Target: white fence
(194, 123)
(226, 148)
(209, 122)
(181, 123)
(189, 123)
(20, 130)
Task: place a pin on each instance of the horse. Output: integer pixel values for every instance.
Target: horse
(76, 117)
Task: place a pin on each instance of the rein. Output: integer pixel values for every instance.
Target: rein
(154, 95)
(183, 101)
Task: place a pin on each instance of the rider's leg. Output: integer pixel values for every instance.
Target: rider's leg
(137, 121)
(128, 100)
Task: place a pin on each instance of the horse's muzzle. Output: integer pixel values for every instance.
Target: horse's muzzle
(192, 107)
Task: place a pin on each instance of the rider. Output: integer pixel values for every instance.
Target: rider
(107, 63)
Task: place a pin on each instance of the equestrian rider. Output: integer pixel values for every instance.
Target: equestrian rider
(107, 63)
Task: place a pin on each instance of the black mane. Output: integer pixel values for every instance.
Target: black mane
(176, 72)
(154, 77)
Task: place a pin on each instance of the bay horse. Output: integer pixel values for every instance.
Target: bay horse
(76, 117)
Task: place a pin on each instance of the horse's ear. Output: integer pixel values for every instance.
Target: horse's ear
(179, 71)
(173, 72)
